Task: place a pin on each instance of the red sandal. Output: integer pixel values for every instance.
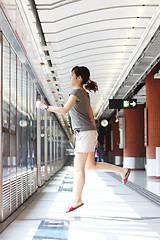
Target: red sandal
(70, 209)
(126, 176)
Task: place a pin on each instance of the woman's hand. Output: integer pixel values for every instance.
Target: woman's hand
(40, 105)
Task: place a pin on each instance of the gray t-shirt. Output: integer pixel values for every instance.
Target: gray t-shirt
(80, 117)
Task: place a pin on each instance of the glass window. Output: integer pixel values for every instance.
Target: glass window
(13, 115)
(24, 120)
(42, 138)
(59, 143)
(56, 143)
(28, 119)
(48, 138)
(31, 125)
(34, 147)
(53, 142)
(20, 122)
(6, 110)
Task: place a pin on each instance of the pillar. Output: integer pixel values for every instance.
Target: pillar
(153, 109)
(134, 151)
(116, 151)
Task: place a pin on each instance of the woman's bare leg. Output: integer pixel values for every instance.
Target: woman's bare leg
(102, 166)
(79, 178)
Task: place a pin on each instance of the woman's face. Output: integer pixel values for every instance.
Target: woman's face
(73, 78)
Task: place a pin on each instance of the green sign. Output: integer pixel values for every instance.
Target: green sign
(129, 103)
(122, 103)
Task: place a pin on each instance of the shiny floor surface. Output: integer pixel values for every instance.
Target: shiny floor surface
(140, 178)
(111, 211)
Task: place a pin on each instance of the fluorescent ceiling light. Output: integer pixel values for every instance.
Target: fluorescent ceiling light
(136, 74)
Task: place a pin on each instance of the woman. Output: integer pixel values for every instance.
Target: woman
(83, 124)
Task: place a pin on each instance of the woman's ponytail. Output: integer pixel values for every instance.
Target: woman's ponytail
(91, 86)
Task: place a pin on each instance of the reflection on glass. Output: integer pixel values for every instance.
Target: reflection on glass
(13, 115)
(34, 128)
(56, 152)
(29, 125)
(59, 144)
(20, 129)
(25, 143)
(20, 122)
(6, 110)
(19, 116)
(48, 144)
(48, 137)
(53, 144)
(42, 138)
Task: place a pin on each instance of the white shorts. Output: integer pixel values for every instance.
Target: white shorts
(86, 141)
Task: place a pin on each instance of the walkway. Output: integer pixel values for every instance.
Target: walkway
(112, 211)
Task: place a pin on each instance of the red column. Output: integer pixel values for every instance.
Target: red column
(153, 108)
(116, 152)
(134, 152)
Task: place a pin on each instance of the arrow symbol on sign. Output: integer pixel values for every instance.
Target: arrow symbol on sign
(133, 103)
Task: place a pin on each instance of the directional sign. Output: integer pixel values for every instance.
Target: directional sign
(129, 103)
(122, 103)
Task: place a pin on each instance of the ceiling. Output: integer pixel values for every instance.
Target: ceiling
(117, 40)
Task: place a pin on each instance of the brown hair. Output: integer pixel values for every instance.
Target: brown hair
(85, 75)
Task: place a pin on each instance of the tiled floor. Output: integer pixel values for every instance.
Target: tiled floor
(140, 178)
(111, 211)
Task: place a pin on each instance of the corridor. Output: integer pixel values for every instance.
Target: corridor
(111, 211)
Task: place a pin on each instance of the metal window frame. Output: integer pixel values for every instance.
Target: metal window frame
(1, 119)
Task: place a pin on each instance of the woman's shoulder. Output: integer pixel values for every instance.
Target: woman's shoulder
(80, 91)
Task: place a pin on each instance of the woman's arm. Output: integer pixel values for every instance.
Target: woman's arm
(61, 110)
(92, 116)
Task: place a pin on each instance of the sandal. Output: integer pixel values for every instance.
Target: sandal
(126, 176)
(70, 209)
